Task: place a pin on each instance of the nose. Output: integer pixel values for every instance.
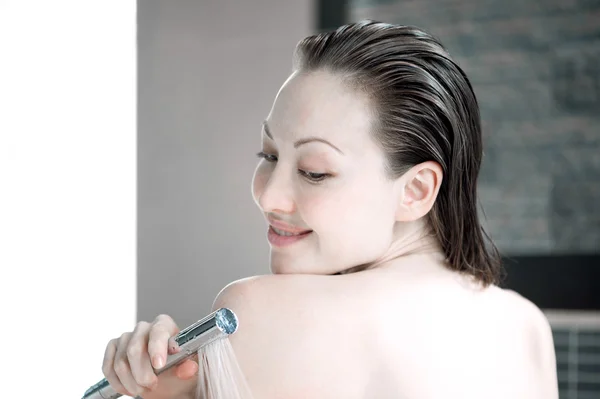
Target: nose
(277, 194)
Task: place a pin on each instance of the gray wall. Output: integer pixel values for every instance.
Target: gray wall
(534, 68)
(208, 73)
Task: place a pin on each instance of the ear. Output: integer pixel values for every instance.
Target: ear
(418, 189)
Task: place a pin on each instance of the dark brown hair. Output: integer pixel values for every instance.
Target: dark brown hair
(425, 110)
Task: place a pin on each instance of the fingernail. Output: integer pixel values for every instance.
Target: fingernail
(173, 346)
(158, 362)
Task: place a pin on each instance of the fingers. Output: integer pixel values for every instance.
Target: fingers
(138, 358)
(108, 368)
(160, 342)
(122, 367)
(187, 370)
(129, 360)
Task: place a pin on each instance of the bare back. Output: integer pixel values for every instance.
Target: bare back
(448, 337)
(389, 333)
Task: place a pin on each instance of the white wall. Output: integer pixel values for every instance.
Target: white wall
(67, 191)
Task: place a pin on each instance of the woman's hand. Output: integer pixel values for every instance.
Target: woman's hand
(128, 362)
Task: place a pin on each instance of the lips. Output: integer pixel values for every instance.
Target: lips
(287, 233)
(280, 241)
(280, 226)
(281, 234)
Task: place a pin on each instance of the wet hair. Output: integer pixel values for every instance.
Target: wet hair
(424, 109)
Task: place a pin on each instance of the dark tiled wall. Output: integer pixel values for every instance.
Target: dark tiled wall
(535, 67)
(578, 362)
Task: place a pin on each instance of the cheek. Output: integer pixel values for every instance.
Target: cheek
(352, 219)
(329, 211)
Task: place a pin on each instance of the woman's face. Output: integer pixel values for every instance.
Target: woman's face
(322, 172)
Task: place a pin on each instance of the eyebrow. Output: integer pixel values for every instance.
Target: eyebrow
(300, 142)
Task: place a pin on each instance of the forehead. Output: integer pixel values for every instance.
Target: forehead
(319, 104)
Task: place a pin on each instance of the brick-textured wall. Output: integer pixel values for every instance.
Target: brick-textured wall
(535, 67)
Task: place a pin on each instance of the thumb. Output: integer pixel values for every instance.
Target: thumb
(187, 370)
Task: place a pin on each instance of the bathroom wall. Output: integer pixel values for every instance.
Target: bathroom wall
(534, 68)
(208, 74)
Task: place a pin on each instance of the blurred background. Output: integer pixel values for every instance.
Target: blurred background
(127, 140)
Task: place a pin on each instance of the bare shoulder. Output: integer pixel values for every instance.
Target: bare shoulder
(268, 305)
(280, 300)
(540, 340)
(258, 288)
(292, 339)
(534, 324)
(527, 313)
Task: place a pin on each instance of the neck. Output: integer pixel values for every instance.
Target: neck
(410, 239)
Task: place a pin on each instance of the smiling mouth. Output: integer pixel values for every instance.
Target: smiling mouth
(288, 234)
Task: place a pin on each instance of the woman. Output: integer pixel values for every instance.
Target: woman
(384, 282)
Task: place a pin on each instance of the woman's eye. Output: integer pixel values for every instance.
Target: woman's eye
(312, 176)
(267, 157)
